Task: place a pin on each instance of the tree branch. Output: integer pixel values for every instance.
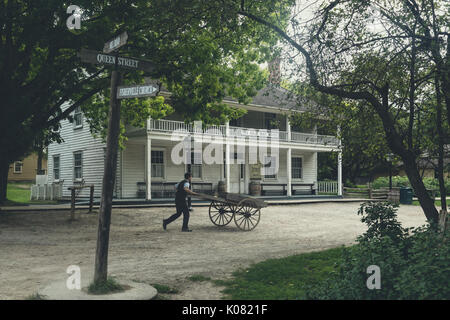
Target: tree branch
(53, 121)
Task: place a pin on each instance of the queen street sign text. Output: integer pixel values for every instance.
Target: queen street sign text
(95, 57)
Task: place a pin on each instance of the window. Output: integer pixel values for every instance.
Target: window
(157, 164)
(195, 168)
(78, 117)
(236, 122)
(239, 158)
(56, 168)
(270, 167)
(296, 168)
(18, 166)
(269, 121)
(78, 165)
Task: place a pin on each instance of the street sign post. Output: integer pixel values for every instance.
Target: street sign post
(95, 57)
(136, 91)
(116, 43)
(112, 141)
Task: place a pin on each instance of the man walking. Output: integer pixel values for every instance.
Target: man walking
(180, 202)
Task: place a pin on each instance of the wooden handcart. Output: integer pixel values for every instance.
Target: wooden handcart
(245, 210)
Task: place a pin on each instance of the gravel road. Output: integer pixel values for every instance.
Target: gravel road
(37, 247)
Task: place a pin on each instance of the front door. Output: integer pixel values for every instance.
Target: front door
(237, 178)
(234, 178)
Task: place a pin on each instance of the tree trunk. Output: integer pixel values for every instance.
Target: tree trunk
(4, 168)
(426, 202)
(441, 142)
(109, 177)
(39, 161)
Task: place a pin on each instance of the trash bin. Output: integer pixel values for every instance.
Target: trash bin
(406, 195)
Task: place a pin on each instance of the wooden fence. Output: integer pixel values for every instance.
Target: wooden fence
(366, 193)
(73, 194)
(46, 192)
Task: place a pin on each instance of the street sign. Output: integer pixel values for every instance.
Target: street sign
(116, 43)
(136, 91)
(95, 57)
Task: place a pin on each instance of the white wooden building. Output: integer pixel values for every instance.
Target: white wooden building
(146, 170)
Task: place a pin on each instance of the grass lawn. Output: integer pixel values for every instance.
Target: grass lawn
(19, 194)
(437, 203)
(280, 279)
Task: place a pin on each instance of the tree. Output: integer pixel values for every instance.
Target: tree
(361, 134)
(377, 52)
(196, 44)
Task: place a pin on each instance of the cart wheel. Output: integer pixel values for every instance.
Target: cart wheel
(220, 213)
(248, 214)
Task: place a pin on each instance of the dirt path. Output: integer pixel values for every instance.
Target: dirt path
(37, 248)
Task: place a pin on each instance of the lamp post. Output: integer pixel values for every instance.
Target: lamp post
(390, 158)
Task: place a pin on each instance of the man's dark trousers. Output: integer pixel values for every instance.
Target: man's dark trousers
(182, 208)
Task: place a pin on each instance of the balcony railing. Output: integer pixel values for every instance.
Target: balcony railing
(170, 126)
(310, 138)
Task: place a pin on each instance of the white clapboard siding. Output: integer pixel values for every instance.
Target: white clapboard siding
(133, 169)
(78, 139)
(309, 169)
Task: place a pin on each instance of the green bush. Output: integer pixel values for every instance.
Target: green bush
(381, 221)
(414, 263)
(349, 184)
(397, 181)
(402, 181)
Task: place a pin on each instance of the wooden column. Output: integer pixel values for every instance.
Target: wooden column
(288, 128)
(148, 168)
(289, 172)
(227, 156)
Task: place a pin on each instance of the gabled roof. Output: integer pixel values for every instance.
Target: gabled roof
(280, 98)
(271, 96)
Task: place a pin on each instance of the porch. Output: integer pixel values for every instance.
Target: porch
(165, 190)
(148, 170)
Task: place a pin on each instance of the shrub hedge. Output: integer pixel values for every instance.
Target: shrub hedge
(414, 263)
(401, 181)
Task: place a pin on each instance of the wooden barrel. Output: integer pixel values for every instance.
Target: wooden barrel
(255, 188)
(221, 187)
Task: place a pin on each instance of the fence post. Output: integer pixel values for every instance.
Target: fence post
(72, 204)
(91, 199)
(370, 193)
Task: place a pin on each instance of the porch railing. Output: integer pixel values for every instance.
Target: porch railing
(306, 138)
(170, 126)
(327, 187)
(310, 138)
